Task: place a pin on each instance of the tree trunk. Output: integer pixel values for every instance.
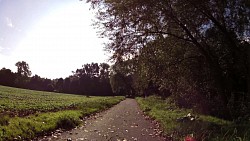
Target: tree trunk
(248, 73)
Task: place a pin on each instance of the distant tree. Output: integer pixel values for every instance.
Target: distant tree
(66, 85)
(75, 84)
(104, 79)
(47, 84)
(104, 70)
(7, 77)
(91, 79)
(91, 70)
(121, 78)
(35, 83)
(23, 73)
(23, 69)
(59, 85)
(50, 88)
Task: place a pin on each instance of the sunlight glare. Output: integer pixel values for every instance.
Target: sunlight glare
(62, 42)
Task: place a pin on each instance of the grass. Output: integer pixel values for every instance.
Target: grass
(25, 114)
(27, 128)
(203, 128)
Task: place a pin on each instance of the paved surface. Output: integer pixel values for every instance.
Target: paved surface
(123, 122)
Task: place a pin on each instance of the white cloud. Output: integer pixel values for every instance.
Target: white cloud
(1, 49)
(9, 22)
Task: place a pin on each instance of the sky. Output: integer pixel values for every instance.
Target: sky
(55, 37)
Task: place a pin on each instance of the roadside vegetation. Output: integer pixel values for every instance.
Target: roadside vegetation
(27, 113)
(176, 125)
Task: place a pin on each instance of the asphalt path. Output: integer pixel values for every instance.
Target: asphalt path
(123, 122)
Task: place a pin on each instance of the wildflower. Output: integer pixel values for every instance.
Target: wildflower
(189, 138)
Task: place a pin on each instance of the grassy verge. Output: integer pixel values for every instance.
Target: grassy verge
(203, 128)
(25, 114)
(24, 128)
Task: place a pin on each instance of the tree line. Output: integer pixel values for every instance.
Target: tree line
(195, 52)
(91, 79)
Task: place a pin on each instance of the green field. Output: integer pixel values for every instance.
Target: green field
(204, 127)
(25, 114)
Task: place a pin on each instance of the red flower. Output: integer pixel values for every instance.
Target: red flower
(189, 138)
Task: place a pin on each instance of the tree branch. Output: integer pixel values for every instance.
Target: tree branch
(170, 34)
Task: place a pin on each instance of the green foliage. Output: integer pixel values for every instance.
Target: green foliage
(121, 78)
(91, 79)
(119, 84)
(194, 51)
(203, 128)
(23, 69)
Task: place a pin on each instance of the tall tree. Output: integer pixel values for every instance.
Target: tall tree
(216, 31)
(23, 73)
(23, 69)
(92, 79)
(121, 78)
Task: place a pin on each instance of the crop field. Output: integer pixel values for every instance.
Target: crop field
(25, 114)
